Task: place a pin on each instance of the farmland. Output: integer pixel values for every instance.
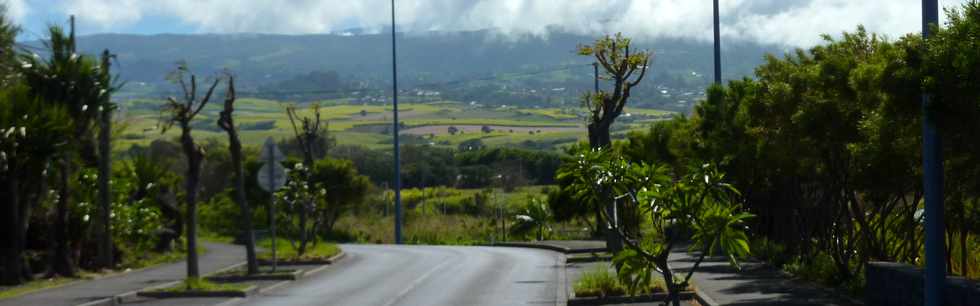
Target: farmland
(370, 124)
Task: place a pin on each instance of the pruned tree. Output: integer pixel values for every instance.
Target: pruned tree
(227, 122)
(625, 68)
(306, 133)
(182, 113)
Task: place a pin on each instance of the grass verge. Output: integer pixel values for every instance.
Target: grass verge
(202, 285)
(35, 285)
(286, 251)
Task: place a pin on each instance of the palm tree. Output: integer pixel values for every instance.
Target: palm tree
(81, 87)
(535, 217)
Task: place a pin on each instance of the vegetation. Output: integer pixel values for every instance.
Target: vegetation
(601, 282)
(287, 250)
(824, 145)
(200, 284)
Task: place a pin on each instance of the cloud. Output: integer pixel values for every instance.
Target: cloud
(16, 9)
(789, 22)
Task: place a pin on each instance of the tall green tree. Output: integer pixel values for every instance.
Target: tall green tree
(81, 86)
(33, 135)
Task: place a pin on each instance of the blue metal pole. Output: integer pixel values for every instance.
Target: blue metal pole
(717, 46)
(932, 163)
(398, 172)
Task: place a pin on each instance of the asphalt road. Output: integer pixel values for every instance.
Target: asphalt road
(388, 275)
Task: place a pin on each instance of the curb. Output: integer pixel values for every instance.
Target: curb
(549, 247)
(328, 261)
(703, 298)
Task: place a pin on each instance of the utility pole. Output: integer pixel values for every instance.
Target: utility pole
(398, 172)
(717, 46)
(932, 169)
(595, 71)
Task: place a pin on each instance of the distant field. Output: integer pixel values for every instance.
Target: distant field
(370, 125)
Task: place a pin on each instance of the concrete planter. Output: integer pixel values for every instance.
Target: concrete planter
(648, 298)
(292, 275)
(315, 262)
(197, 294)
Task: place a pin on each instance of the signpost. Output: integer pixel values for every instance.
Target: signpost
(272, 177)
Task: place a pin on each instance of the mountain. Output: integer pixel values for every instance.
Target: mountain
(451, 63)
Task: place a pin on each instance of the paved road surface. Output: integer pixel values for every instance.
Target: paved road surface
(217, 256)
(388, 275)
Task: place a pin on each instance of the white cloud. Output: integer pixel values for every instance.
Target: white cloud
(16, 9)
(792, 22)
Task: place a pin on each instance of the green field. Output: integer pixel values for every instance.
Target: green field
(369, 125)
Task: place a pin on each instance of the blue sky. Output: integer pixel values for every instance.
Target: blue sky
(788, 22)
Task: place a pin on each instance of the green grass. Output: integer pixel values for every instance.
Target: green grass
(200, 284)
(598, 282)
(35, 285)
(286, 251)
(601, 282)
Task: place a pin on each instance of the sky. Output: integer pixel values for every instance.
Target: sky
(785, 22)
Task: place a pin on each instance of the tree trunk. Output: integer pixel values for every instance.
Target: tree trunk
(194, 157)
(227, 122)
(599, 135)
(13, 244)
(105, 201)
(61, 261)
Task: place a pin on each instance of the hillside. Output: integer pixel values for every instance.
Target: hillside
(467, 66)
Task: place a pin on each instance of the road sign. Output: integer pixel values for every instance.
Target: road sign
(271, 177)
(271, 152)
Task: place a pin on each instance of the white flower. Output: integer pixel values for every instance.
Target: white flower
(298, 166)
(26, 65)
(323, 191)
(84, 107)
(706, 181)
(35, 56)
(3, 155)
(525, 218)
(9, 131)
(74, 56)
(149, 185)
(23, 131)
(112, 215)
(100, 108)
(85, 218)
(24, 117)
(101, 91)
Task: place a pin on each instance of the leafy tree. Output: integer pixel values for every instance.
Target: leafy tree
(535, 217)
(619, 64)
(33, 135)
(182, 113)
(345, 187)
(305, 199)
(452, 130)
(699, 202)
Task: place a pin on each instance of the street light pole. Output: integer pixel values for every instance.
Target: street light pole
(398, 172)
(717, 46)
(932, 170)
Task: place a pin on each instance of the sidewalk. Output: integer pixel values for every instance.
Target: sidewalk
(755, 284)
(218, 256)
